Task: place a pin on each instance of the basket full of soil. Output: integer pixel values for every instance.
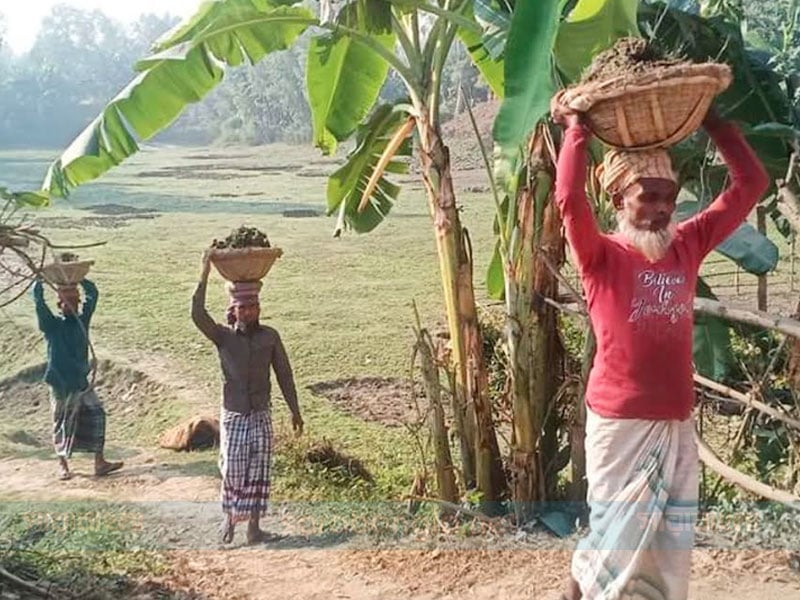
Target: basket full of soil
(635, 98)
(245, 255)
(66, 270)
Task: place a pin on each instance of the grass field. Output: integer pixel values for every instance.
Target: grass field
(343, 306)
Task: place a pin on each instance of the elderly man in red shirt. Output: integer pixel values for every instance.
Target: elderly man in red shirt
(641, 458)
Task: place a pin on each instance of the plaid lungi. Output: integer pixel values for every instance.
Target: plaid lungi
(643, 494)
(245, 455)
(79, 422)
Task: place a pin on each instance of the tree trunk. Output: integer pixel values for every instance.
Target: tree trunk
(547, 361)
(471, 395)
(443, 462)
(577, 442)
(459, 100)
(534, 347)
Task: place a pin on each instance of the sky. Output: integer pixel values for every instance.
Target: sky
(23, 17)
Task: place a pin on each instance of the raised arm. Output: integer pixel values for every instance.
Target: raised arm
(90, 301)
(210, 328)
(580, 226)
(44, 315)
(283, 371)
(748, 182)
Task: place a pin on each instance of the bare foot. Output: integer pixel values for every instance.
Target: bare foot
(572, 591)
(259, 536)
(63, 470)
(228, 529)
(104, 468)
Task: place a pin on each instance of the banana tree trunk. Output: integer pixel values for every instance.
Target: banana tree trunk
(525, 466)
(471, 397)
(534, 347)
(577, 438)
(443, 462)
(547, 360)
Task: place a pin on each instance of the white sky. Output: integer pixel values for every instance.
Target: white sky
(23, 17)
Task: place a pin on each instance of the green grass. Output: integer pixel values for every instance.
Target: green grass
(99, 551)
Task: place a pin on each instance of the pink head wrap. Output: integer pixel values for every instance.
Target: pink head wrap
(68, 293)
(242, 293)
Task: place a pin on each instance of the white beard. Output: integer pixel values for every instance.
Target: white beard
(653, 244)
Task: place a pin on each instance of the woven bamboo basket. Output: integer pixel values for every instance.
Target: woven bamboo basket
(653, 110)
(66, 274)
(244, 264)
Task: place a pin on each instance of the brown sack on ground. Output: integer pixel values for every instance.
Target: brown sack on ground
(195, 434)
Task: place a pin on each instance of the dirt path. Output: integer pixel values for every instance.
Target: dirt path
(183, 515)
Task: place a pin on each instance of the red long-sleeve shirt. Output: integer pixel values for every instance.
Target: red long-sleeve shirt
(642, 312)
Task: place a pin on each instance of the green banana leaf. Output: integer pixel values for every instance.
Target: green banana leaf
(746, 246)
(344, 77)
(755, 99)
(490, 68)
(185, 67)
(24, 199)
(528, 73)
(495, 277)
(494, 17)
(592, 26)
(711, 339)
(347, 184)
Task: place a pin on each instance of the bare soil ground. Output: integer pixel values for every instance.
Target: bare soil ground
(389, 401)
(181, 513)
(459, 134)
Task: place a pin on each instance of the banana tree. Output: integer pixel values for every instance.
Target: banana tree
(532, 38)
(351, 52)
(554, 53)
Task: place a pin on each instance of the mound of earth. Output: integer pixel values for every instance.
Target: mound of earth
(197, 172)
(194, 434)
(376, 399)
(323, 453)
(459, 135)
(136, 406)
(628, 56)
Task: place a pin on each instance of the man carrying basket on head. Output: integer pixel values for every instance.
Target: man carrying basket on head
(79, 420)
(246, 350)
(641, 457)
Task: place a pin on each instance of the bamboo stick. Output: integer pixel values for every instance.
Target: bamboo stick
(759, 318)
(713, 462)
(747, 400)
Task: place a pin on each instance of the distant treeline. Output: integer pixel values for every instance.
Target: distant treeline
(82, 58)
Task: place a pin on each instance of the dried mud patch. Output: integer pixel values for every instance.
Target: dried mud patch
(384, 400)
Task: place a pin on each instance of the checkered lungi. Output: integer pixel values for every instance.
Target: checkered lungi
(79, 422)
(643, 494)
(245, 455)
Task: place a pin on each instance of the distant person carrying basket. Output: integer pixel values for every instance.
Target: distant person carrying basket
(79, 420)
(247, 351)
